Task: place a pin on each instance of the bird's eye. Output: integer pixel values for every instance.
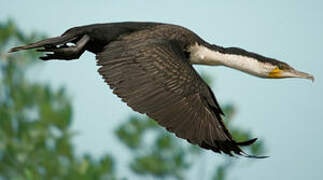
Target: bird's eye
(280, 66)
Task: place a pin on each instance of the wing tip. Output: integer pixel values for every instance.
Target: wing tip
(247, 143)
(235, 150)
(254, 156)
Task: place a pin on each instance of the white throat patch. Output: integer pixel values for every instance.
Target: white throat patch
(200, 54)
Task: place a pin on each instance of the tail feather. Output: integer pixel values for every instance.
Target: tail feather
(47, 42)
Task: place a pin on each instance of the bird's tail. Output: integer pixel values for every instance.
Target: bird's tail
(50, 42)
(58, 48)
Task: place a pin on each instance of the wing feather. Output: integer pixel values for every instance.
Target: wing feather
(154, 77)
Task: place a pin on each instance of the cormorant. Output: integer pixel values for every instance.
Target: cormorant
(149, 66)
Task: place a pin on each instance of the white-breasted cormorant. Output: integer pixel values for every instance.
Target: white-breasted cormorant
(149, 66)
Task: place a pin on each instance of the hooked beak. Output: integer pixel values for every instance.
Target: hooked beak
(293, 73)
(290, 73)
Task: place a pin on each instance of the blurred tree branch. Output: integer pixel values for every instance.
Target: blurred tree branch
(35, 134)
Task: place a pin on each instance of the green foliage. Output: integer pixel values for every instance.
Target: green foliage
(35, 135)
(154, 151)
(221, 172)
(131, 133)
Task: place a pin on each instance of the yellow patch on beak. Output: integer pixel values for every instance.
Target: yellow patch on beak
(276, 73)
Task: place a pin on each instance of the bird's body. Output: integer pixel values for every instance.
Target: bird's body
(149, 66)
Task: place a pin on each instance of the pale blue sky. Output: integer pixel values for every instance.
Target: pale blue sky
(287, 114)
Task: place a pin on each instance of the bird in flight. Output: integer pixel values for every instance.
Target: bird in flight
(149, 66)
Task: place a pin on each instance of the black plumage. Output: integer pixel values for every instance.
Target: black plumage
(147, 65)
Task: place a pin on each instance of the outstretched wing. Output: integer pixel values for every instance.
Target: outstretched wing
(154, 77)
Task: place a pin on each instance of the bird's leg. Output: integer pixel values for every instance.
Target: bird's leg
(64, 51)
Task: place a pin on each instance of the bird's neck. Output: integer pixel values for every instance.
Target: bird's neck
(200, 54)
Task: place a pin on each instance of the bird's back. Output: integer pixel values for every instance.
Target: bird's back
(103, 34)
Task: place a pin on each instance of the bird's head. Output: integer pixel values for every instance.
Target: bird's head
(261, 66)
(277, 69)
